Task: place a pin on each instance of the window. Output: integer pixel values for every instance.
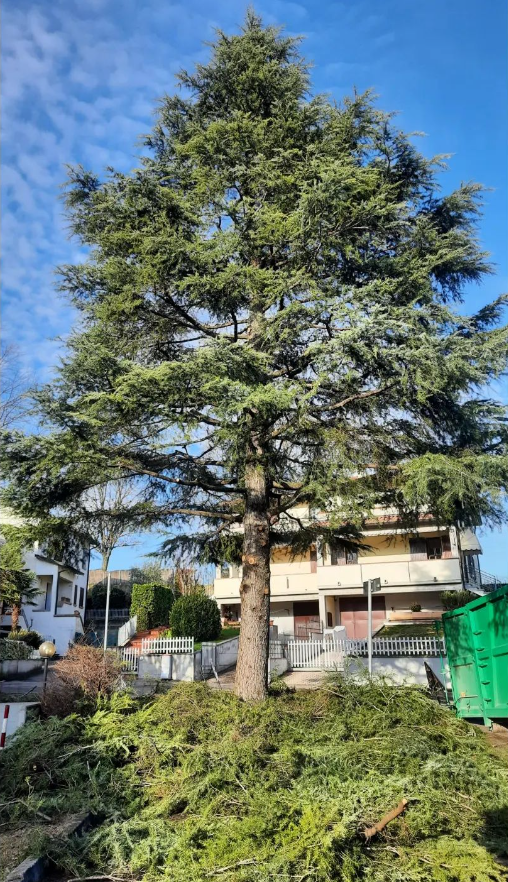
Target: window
(81, 597)
(471, 568)
(75, 595)
(47, 599)
(224, 571)
(329, 620)
(341, 556)
(433, 548)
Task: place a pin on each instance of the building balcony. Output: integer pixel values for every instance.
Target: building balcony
(399, 575)
(297, 584)
(410, 574)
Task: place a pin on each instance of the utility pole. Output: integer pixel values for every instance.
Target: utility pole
(106, 621)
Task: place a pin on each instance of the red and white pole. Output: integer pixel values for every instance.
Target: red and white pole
(4, 726)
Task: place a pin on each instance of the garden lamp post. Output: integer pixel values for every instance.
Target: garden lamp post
(47, 651)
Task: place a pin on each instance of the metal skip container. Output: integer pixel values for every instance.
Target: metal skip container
(477, 646)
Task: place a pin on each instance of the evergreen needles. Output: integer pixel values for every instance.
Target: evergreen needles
(198, 785)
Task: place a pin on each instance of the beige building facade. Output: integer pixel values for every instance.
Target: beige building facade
(324, 587)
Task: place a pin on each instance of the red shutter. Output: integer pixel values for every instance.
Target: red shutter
(338, 554)
(447, 547)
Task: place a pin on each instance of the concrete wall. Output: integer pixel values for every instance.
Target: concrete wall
(281, 614)
(429, 601)
(17, 714)
(18, 669)
(277, 666)
(156, 667)
(177, 666)
(403, 669)
(221, 655)
(186, 666)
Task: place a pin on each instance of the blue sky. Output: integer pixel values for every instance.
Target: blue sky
(79, 84)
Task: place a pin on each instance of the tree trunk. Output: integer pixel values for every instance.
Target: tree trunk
(16, 609)
(252, 667)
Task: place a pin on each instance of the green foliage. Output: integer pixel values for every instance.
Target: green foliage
(151, 603)
(16, 582)
(31, 638)
(455, 599)
(196, 615)
(276, 284)
(416, 607)
(118, 599)
(196, 784)
(149, 572)
(13, 650)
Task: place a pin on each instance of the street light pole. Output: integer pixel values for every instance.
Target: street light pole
(46, 651)
(369, 626)
(369, 587)
(106, 621)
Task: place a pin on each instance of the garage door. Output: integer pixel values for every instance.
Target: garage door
(306, 613)
(353, 615)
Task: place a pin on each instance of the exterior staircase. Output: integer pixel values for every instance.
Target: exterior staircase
(483, 584)
(152, 634)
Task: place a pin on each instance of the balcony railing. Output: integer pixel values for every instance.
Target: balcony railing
(482, 583)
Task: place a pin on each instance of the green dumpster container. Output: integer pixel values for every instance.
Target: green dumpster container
(477, 647)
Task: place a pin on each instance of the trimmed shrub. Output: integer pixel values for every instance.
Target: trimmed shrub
(416, 607)
(118, 599)
(31, 638)
(454, 599)
(196, 616)
(151, 603)
(14, 650)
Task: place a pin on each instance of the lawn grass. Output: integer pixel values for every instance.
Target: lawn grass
(198, 785)
(225, 634)
(409, 629)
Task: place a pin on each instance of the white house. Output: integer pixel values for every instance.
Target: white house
(323, 587)
(59, 612)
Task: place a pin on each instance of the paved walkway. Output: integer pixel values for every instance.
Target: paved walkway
(295, 680)
(304, 679)
(29, 686)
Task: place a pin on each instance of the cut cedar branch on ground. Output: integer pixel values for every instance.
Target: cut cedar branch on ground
(196, 785)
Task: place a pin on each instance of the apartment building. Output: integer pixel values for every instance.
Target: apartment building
(324, 587)
(58, 612)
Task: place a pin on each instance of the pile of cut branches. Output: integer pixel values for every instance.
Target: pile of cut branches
(352, 781)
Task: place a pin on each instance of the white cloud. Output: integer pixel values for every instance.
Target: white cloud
(80, 83)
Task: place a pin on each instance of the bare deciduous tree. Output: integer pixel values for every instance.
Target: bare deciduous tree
(104, 507)
(14, 386)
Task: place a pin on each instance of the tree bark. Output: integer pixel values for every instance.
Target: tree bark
(252, 668)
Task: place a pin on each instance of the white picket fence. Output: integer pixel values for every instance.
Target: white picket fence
(129, 656)
(166, 645)
(329, 654)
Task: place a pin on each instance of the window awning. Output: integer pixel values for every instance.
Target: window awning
(469, 542)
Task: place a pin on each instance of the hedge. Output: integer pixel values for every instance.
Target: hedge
(196, 616)
(14, 650)
(455, 599)
(151, 603)
(31, 638)
(118, 599)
